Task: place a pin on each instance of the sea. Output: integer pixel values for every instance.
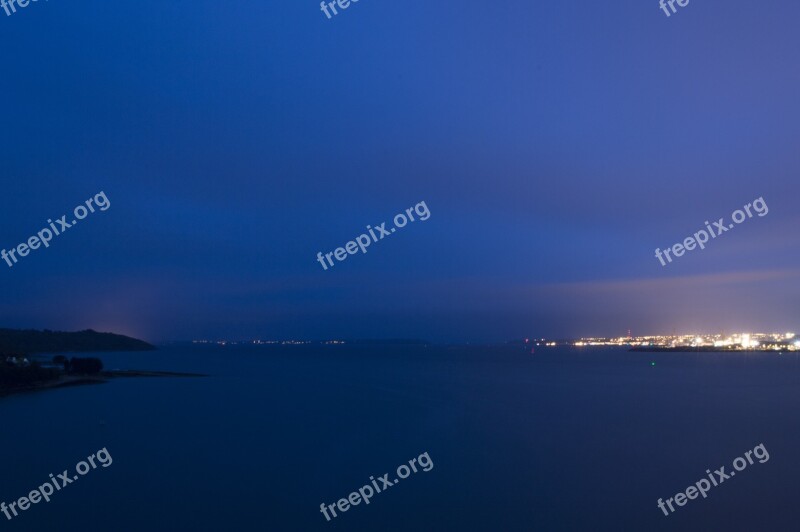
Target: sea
(562, 439)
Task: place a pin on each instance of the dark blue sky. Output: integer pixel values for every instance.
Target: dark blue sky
(557, 144)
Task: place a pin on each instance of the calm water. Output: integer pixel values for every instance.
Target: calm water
(560, 440)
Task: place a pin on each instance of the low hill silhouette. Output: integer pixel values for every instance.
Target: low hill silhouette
(28, 342)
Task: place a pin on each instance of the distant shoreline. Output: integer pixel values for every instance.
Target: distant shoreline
(33, 342)
(22, 372)
(702, 349)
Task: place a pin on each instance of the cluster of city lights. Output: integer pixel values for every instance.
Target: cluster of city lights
(741, 341)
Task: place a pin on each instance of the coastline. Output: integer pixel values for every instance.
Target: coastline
(80, 380)
(702, 349)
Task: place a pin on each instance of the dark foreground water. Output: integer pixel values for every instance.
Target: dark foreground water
(561, 440)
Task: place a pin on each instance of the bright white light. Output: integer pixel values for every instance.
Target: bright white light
(745, 340)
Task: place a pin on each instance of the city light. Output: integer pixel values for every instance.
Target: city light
(699, 342)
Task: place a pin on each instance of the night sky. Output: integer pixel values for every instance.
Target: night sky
(556, 144)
